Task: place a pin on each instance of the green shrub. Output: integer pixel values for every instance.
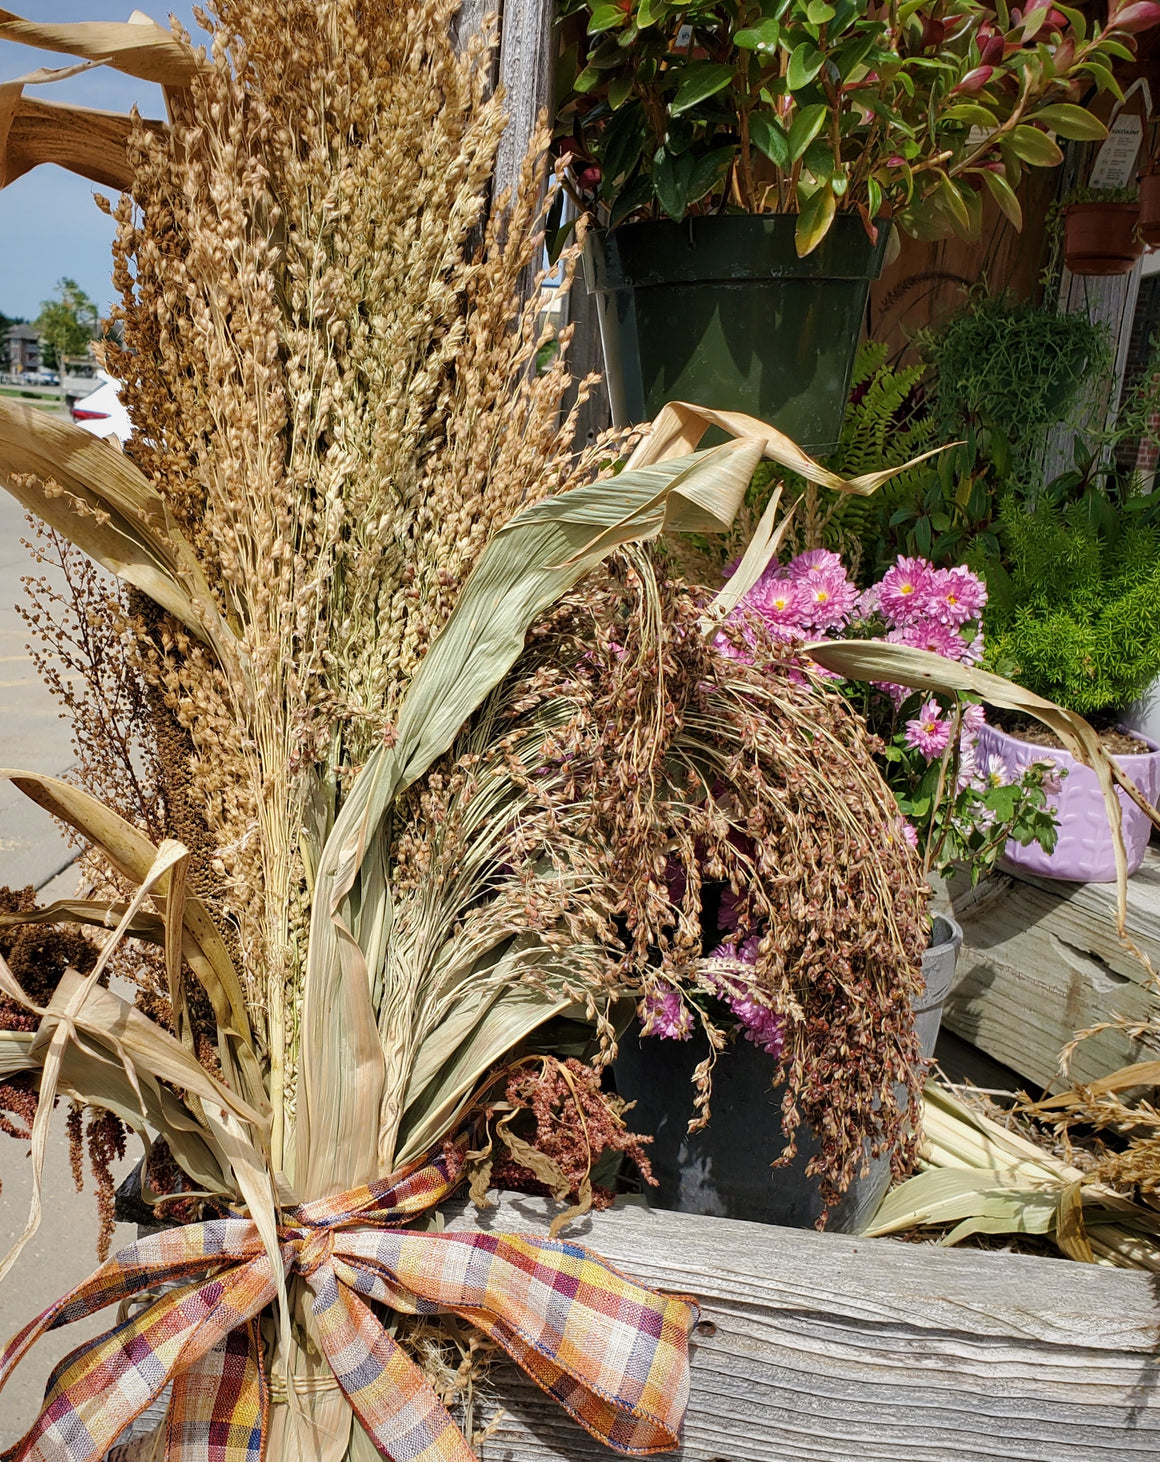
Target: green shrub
(1076, 613)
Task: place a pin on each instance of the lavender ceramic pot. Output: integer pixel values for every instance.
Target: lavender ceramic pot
(1084, 850)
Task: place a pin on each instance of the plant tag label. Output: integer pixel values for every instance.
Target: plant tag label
(684, 38)
(1115, 164)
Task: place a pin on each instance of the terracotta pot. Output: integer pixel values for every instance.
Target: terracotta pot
(1084, 851)
(1150, 209)
(1101, 238)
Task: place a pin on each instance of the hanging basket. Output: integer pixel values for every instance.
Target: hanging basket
(1101, 238)
(1150, 209)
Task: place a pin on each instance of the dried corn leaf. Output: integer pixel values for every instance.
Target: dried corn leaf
(89, 1073)
(92, 143)
(107, 1019)
(1070, 1229)
(948, 1195)
(96, 913)
(14, 1049)
(1140, 1073)
(110, 511)
(138, 47)
(679, 427)
(763, 546)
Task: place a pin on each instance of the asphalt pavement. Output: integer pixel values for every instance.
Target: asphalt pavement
(33, 737)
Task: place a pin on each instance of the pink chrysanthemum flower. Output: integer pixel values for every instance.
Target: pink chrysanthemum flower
(909, 832)
(929, 731)
(928, 634)
(974, 719)
(782, 604)
(829, 596)
(902, 590)
(996, 773)
(815, 561)
(867, 602)
(760, 1025)
(664, 1014)
(954, 596)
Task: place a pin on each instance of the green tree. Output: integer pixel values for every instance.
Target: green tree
(67, 324)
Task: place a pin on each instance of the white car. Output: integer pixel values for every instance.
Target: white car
(102, 412)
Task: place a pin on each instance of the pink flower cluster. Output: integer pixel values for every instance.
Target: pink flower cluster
(663, 1013)
(810, 594)
(931, 609)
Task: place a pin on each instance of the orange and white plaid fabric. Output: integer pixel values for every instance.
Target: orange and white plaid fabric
(613, 1354)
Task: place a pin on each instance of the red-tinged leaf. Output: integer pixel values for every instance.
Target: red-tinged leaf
(1141, 15)
(974, 81)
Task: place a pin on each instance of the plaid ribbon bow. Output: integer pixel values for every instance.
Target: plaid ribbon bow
(614, 1355)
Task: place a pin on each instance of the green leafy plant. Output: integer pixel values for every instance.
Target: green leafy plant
(1076, 607)
(1000, 375)
(1013, 366)
(814, 108)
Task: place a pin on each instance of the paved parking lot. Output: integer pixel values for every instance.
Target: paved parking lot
(33, 850)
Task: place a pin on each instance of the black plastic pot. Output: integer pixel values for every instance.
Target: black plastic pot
(725, 1169)
(722, 312)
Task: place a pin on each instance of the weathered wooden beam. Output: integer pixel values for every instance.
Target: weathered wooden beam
(1041, 960)
(828, 1347)
(526, 70)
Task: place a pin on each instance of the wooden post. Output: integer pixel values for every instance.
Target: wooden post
(526, 69)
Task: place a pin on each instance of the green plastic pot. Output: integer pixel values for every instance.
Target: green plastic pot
(721, 312)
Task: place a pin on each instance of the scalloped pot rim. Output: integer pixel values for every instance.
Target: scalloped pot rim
(1084, 851)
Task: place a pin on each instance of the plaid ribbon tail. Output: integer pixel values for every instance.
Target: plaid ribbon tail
(387, 1392)
(219, 1406)
(101, 1388)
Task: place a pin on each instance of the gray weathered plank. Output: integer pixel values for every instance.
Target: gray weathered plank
(1084, 914)
(827, 1347)
(526, 67)
(1042, 960)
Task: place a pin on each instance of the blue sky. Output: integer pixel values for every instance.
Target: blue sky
(49, 225)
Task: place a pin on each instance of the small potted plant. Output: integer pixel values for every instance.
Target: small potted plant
(741, 162)
(1101, 230)
(1077, 618)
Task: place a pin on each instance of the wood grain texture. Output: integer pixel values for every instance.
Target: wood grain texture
(827, 1347)
(586, 358)
(526, 68)
(1041, 960)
